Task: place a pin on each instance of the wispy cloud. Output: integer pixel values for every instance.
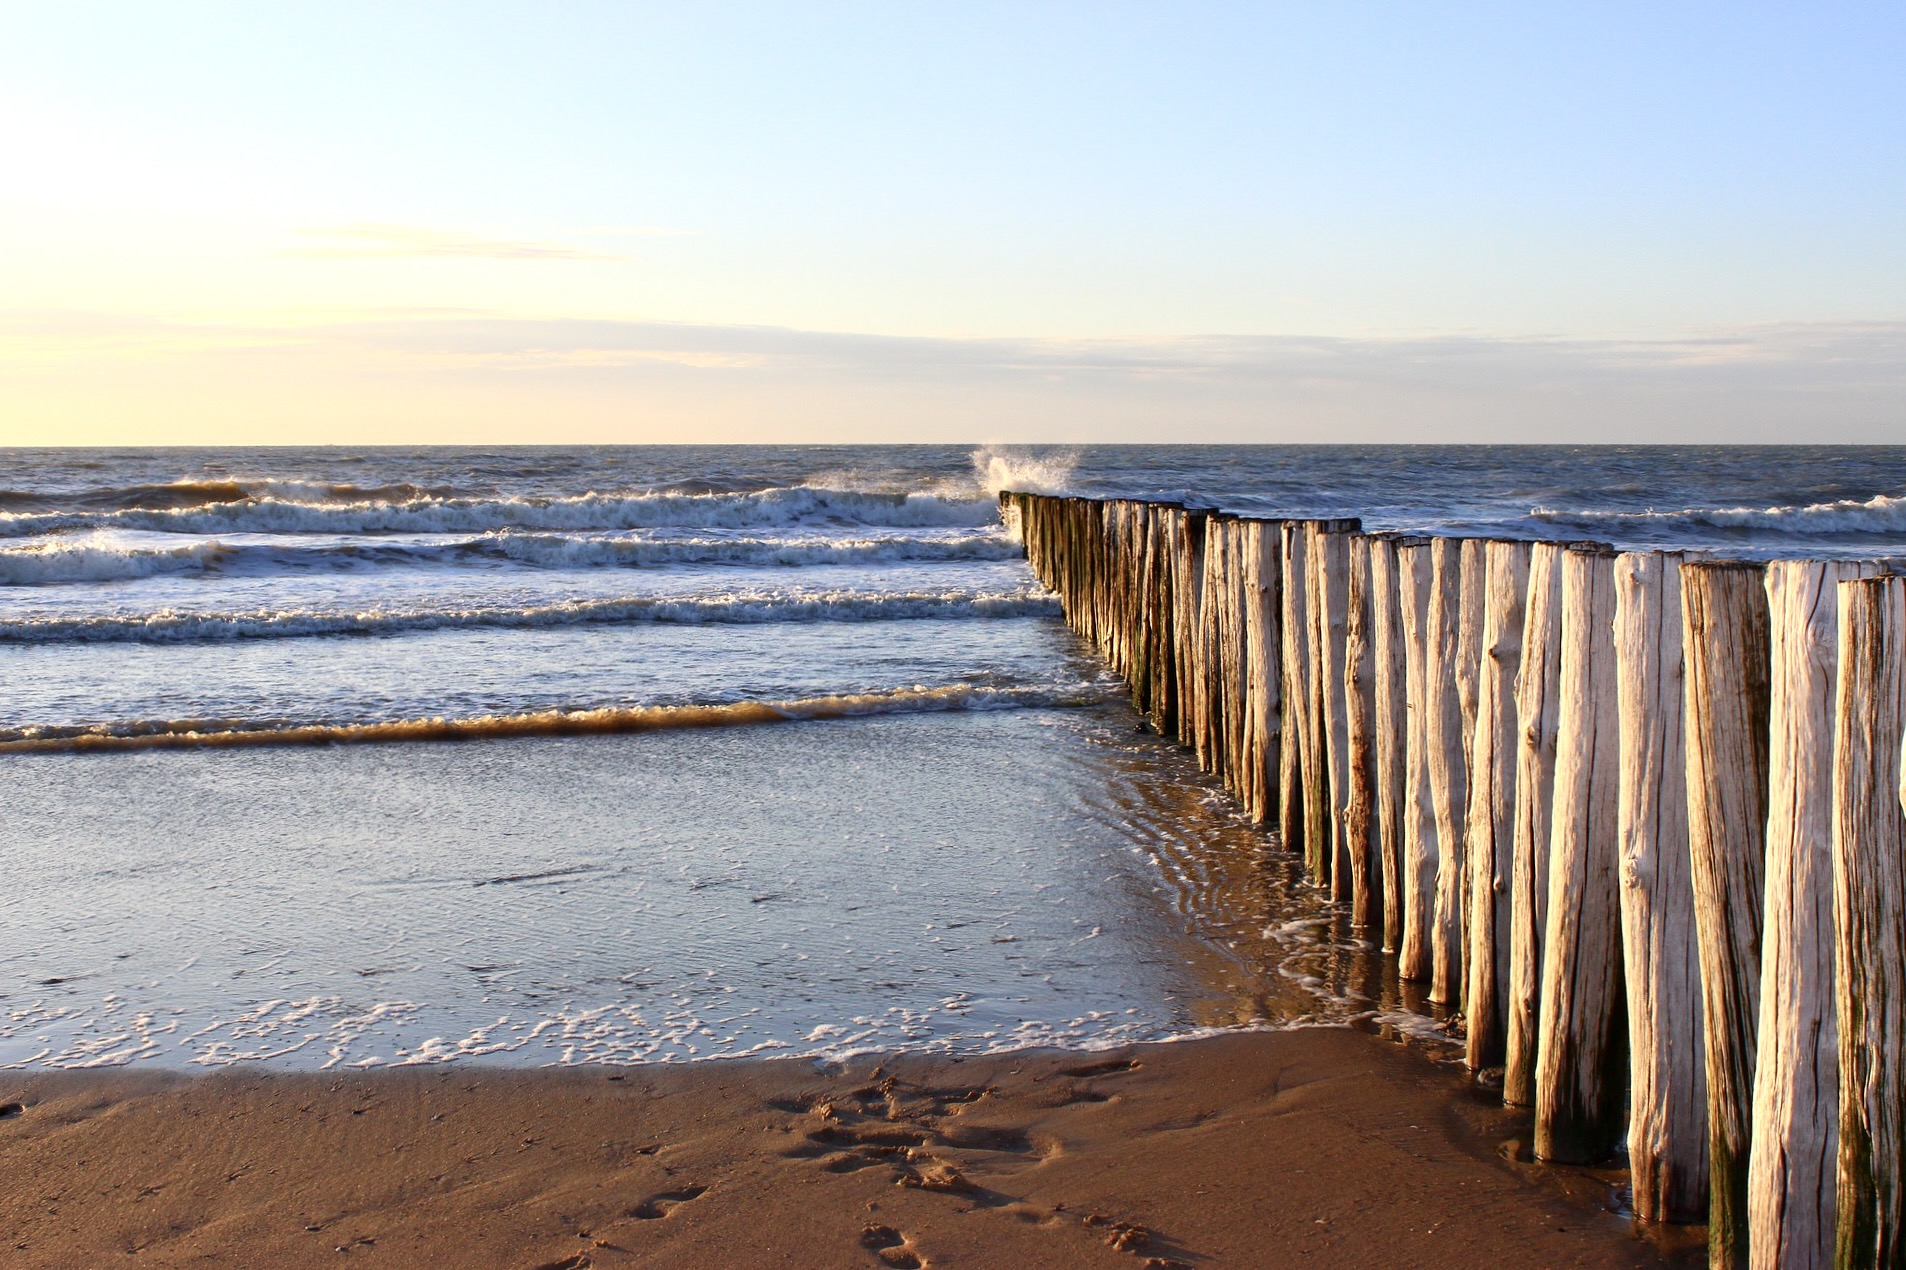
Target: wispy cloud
(370, 240)
(1815, 382)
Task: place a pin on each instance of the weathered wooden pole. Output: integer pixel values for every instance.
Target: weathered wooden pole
(1226, 669)
(1448, 753)
(1473, 594)
(1414, 955)
(1263, 643)
(1581, 1059)
(1667, 1081)
(1294, 705)
(1360, 819)
(1164, 541)
(1330, 563)
(1238, 740)
(1795, 1129)
(1189, 532)
(1492, 802)
(1389, 658)
(1207, 741)
(1318, 837)
(1869, 904)
(1538, 705)
(1724, 613)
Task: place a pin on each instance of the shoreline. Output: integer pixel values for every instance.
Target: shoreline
(1319, 1146)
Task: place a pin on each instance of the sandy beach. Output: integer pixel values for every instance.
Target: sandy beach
(1314, 1147)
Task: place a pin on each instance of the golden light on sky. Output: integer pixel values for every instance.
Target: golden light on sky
(490, 222)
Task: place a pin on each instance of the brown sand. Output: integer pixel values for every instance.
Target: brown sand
(1321, 1147)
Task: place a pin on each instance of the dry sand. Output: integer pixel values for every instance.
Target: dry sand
(1322, 1147)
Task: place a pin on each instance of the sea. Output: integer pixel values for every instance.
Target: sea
(363, 757)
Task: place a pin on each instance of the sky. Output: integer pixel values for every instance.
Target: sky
(359, 222)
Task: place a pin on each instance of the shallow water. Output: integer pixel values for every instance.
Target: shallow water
(989, 854)
(979, 881)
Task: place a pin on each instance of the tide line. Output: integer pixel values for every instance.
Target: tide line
(194, 734)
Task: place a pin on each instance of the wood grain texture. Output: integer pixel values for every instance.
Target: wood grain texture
(1795, 1131)
(1581, 1058)
(1538, 702)
(1869, 903)
(1414, 957)
(1360, 807)
(1667, 1100)
(1330, 561)
(1490, 824)
(1263, 642)
(1292, 765)
(1388, 666)
(1448, 755)
(1473, 597)
(1724, 616)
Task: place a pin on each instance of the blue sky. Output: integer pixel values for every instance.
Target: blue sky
(323, 218)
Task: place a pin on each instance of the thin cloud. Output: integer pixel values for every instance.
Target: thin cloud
(371, 241)
(1840, 382)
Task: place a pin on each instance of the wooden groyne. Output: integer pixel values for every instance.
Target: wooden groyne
(1634, 819)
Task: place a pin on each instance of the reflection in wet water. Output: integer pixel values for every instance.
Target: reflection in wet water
(977, 881)
(1265, 946)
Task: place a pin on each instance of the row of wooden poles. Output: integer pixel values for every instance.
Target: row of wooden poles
(1637, 817)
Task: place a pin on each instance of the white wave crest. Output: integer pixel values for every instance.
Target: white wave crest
(433, 514)
(98, 559)
(567, 552)
(169, 626)
(1881, 514)
(101, 557)
(1000, 468)
(173, 733)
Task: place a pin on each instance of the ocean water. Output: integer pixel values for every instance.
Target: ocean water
(761, 750)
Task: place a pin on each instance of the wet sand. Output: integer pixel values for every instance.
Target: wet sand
(1318, 1147)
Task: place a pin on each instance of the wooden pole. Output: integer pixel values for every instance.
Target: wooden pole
(1317, 835)
(1492, 802)
(1207, 741)
(1237, 738)
(1165, 544)
(1330, 562)
(1388, 663)
(1538, 702)
(1264, 650)
(1414, 956)
(1724, 613)
(1667, 1101)
(1795, 1129)
(1869, 903)
(1236, 676)
(1448, 763)
(1581, 1059)
(1292, 765)
(1360, 821)
(1186, 587)
(1473, 594)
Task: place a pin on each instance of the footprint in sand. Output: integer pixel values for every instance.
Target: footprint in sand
(892, 1247)
(1111, 1067)
(580, 1261)
(666, 1202)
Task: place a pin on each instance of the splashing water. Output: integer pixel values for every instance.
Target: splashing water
(999, 468)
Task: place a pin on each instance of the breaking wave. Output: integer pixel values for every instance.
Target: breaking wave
(186, 733)
(1881, 514)
(276, 510)
(998, 469)
(169, 626)
(98, 558)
